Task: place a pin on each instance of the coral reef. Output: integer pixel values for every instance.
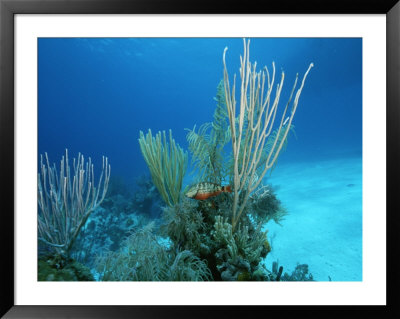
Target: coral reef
(198, 227)
(184, 224)
(239, 252)
(223, 236)
(61, 268)
(226, 231)
(109, 225)
(143, 258)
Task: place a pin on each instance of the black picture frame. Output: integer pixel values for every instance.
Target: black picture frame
(9, 8)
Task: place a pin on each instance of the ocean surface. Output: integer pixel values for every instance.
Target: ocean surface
(96, 94)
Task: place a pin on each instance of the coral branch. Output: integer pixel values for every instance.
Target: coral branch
(256, 120)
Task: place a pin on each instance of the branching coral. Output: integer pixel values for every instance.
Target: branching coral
(257, 111)
(66, 201)
(241, 251)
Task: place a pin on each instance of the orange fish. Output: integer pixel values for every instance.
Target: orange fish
(206, 190)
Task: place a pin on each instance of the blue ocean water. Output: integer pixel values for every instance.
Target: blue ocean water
(96, 94)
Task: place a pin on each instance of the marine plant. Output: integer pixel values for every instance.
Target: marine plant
(67, 199)
(167, 163)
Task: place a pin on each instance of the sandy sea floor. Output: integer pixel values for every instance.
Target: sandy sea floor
(324, 226)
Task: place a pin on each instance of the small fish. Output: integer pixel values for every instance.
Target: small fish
(206, 190)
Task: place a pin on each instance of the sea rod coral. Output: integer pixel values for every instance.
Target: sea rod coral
(66, 200)
(250, 132)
